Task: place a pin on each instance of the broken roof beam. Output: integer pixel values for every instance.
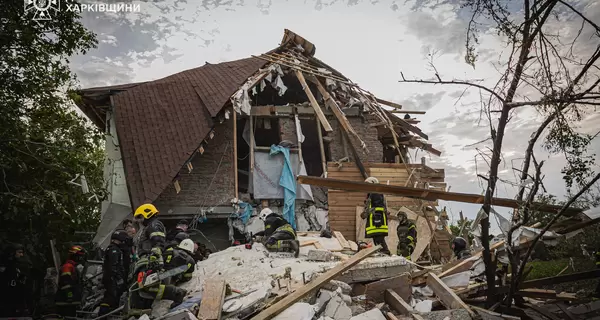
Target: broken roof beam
(408, 111)
(389, 103)
(346, 128)
(425, 194)
(288, 110)
(314, 102)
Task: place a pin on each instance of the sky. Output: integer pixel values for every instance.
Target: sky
(371, 42)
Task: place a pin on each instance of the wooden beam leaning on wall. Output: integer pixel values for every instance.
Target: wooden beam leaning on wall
(345, 125)
(313, 102)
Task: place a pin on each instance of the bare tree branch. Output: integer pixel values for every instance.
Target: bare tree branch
(466, 83)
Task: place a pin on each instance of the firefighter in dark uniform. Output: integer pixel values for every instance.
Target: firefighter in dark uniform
(114, 275)
(407, 236)
(16, 287)
(597, 256)
(459, 246)
(171, 247)
(279, 234)
(376, 214)
(182, 255)
(150, 258)
(68, 296)
(182, 226)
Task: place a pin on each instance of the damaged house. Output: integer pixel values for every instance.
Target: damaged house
(215, 143)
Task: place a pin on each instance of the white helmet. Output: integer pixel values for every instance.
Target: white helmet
(187, 245)
(372, 180)
(264, 213)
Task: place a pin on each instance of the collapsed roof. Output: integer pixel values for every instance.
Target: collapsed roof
(162, 123)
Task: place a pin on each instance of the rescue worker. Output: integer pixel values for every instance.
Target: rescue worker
(182, 255)
(182, 226)
(68, 296)
(279, 234)
(459, 246)
(597, 256)
(114, 274)
(407, 236)
(16, 283)
(170, 249)
(150, 258)
(376, 214)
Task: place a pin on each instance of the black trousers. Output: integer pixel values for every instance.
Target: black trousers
(380, 240)
(110, 301)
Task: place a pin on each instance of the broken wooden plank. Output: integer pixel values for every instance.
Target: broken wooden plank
(390, 316)
(446, 295)
(340, 238)
(213, 298)
(313, 102)
(408, 111)
(396, 302)
(560, 279)
(318, 245)
(308, 243)
(458, 267)
(425, 194)
(546, 294)
(417, 316)
(400, 284)
(389, 103)
(292, 298)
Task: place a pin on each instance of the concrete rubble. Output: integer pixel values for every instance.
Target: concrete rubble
(258, 280)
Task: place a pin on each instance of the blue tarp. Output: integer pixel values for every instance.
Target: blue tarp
(247, 211)
(288, 182)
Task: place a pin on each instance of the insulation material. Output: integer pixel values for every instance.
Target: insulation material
(458, 280)
(299, 133)
(241, 99)
(267, 172)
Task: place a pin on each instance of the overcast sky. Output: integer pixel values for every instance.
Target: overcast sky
(370, 42)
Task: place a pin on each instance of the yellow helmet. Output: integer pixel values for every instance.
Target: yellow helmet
(147, 211)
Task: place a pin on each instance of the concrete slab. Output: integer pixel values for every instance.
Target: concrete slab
(373, 314)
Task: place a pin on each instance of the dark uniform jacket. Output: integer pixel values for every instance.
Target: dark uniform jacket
(376, 215)
(179, 258)
(272, 223)
(69, 288)
(114, 275)
(407, 232)
(171, 235)
(153, 237)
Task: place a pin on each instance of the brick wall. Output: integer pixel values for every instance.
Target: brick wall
(195, 185)
(367, 134)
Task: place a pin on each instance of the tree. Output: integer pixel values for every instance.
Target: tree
(44, 142)
(558, 71)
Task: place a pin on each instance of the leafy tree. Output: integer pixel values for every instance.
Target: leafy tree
(44, 142)
(455, 229)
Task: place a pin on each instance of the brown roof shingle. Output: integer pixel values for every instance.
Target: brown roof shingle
(161, 123)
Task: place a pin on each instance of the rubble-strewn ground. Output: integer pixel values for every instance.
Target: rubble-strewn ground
(257, 269)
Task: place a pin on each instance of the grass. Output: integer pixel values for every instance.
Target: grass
(545, 269)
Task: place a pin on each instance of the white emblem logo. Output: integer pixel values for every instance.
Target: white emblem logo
(43, 9)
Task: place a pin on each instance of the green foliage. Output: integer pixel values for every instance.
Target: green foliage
(44, 142)
(455, 229)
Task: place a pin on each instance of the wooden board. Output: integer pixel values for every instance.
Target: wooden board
(340, 238)
(292, 298)
(396, 302)
(399, 284)
(446, 295)
(213, 296)
(313, 102)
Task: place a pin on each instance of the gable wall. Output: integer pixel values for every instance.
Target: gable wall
(195, 184)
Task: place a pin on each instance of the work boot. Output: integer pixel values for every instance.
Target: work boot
(295, 247)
